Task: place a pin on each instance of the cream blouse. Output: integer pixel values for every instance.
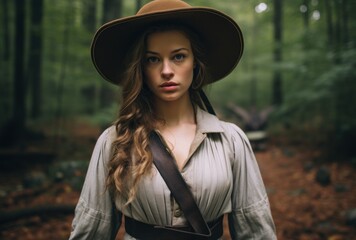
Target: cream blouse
(221, 171)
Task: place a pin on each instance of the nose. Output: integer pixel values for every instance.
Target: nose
(167, 70)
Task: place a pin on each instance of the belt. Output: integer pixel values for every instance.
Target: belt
(145, 231)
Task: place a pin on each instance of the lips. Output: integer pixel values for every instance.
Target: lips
(168, 84)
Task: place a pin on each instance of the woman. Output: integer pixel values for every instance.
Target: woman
(162, 57)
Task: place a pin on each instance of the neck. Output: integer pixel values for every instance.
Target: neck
(176, 112)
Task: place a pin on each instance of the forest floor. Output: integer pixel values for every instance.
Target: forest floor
(302, 208)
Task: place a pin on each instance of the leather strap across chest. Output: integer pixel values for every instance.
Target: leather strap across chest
(198, 229)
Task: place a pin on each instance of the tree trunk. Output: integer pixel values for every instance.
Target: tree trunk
(329, 23)
(6, 30)
(47, 209)
(138, 5)
(306, 14)
(90, 15)
(112, 9)
(345, 22)
(67, 20)
(35, 54)
(5, 83)
(337, 37)
(277, 54)
(19, 111)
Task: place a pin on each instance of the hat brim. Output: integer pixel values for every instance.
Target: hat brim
(221, 36)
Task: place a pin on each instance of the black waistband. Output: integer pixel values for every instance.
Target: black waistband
(144, 231)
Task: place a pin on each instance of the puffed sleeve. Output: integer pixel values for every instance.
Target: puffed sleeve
(251, 216)
(95, 214)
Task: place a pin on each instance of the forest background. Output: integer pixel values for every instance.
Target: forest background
(299, 60)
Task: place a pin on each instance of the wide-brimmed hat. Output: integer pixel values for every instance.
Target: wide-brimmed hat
(220, 34)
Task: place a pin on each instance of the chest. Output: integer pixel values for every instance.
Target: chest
(209, 176)
(179, 142)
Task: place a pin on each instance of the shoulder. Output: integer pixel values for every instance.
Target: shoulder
(106, 139)
(231, 134)
(209, 123)
(236, 138)
(103, 151)
(234, 132)
(108, 135)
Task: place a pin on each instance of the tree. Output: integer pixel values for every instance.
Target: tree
(345, 21)
(138, 5)
(337, 22)
(329, 22)
(5, 83)
(20, 84)
(35, 56)
(305, 10)
(112, 9)
(277, 53)
(90, 15)
(6, 30)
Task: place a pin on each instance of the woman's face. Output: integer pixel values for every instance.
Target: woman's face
(169, 64)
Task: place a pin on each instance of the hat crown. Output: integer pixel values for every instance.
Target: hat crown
(162, 5)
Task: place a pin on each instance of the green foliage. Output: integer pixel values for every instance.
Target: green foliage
(106, 116)
(326, 109)
(317, 73)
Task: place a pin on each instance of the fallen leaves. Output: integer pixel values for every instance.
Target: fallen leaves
(302, 208)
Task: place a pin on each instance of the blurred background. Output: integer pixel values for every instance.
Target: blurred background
(293, 93)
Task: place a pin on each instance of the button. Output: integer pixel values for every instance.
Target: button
(177, 213)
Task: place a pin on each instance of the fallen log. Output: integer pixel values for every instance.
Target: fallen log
(43, 210)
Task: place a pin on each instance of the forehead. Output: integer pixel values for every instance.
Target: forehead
(167, 39)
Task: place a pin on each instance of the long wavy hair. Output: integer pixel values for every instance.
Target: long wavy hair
(132, 157)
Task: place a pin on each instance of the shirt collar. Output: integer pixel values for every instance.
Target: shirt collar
(206, 122)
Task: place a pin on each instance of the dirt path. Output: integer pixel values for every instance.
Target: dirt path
(301, 207)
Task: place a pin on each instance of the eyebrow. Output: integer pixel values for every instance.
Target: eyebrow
(174, 51)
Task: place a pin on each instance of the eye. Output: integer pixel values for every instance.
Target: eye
(152, 59)
(179, 57)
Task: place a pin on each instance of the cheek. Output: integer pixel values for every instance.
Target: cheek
(148, 77)
(189, 73)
